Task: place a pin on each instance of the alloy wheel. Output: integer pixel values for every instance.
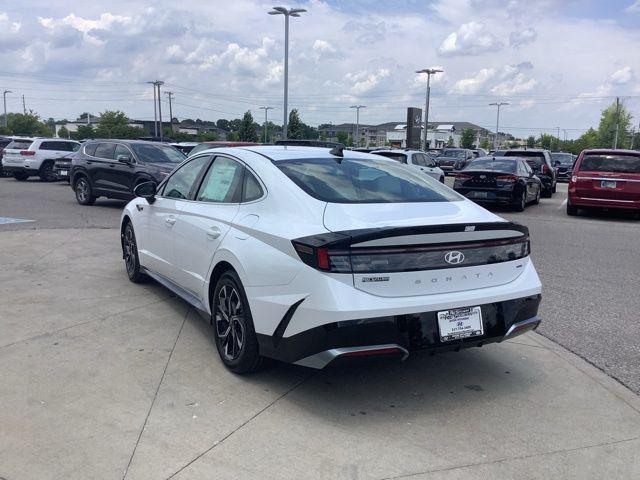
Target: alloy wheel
(129, 250)
(82, 190)
(229, 318)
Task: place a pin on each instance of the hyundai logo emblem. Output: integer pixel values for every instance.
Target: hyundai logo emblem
(454, 257)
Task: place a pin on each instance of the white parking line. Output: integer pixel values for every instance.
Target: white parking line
(563, 204)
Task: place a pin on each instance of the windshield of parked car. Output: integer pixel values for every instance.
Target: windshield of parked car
(397, 156)
(157, 153)
(453, 153)
(563, 158)
(496, 165)
(364, 181)
(611, 163)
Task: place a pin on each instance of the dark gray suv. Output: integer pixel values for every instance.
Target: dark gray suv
(113, 168)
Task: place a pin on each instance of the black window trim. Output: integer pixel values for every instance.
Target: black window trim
(197, 181)
(113, 160)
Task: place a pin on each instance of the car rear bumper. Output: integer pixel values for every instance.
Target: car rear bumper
(398, 335)
(496, 197)
(595, 202)
(11, 169)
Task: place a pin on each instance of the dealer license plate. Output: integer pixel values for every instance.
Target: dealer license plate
(460, 323)
(478, 194)
(63, 173)
(607, 184)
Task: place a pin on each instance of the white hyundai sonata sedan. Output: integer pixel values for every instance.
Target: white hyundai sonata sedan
(308, 255)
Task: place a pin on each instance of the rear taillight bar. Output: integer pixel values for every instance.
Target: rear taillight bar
(27, 153)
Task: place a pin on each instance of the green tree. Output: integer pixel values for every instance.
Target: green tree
(63, 132)
(531, 141)
(467, 138)
(611, 116)
(546, 141)
(450, 141)
(295, 128)
(84, 132)
(115, 124)
(485, 144)
(248, 131)
(27, 124)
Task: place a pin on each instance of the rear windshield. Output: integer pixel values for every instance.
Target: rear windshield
(20, 144)
(157, 153)
(397, 156)
(453, 153)
(495, 165)
(364, 181)
(611, 163)
(563, 158)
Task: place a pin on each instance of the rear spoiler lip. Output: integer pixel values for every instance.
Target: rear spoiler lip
(346, 238)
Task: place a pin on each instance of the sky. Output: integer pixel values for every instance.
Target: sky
(558, 63)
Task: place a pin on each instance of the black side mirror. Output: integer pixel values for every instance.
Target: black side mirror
(146, 190)
(556, 163)
(123, 158)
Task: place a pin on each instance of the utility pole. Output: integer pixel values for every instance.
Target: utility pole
(497, 104)
(266, 109)
(4, 94)
(292, 12)
(429, 72)
(158, 83)
(358, 107)
(170, 95)
(155, 111)
(615, 136)
(24, 106)
(565, 134)
(558, 136)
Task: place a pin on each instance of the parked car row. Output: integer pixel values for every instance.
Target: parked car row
(26, 157)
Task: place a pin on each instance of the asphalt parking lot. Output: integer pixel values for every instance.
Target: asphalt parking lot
(105, 379)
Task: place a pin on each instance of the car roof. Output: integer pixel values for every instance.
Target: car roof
(491, 157)
(611, 151)
(293, 152)
(128, 141)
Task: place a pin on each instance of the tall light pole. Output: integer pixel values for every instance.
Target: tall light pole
(497, 104)
(4, 95)
(358, 107)
(266, 110)
(292, 12)
(170, 95)
(429, 72)
(158, 83)
(155, 111)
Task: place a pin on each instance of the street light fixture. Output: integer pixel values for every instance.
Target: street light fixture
(497, 104)
(266, 109)
(358, 107)
(4, 95)
(293, 12)
(429, 72)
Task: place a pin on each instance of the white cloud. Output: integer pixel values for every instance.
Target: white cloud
(634, 7)
(475, 83)
(522, 37)
(471, 38)
(622, 76)
(363, 82)
(518, 84)
(322, 46)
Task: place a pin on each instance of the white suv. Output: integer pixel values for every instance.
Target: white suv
(417, 159)
(28, 157)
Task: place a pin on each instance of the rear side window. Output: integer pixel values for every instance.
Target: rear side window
(611, 163)
(105, 150)
(20, 144)
(223, 182)
(419, 159)
(251, 189)
(397, 156)
(90, 149)
(364, 181)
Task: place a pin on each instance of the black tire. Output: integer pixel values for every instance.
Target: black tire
(442, 179)
(130, 255)
(572, 210)
(20, 176)
(521, 204)
(46, 173)
(234, 332)
(84, 195)
(553, 189)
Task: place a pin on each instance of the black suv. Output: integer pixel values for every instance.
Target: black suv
(540, 162)
(113, 168)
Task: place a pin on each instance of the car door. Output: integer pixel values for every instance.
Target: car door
(416, 161)
(431, 167)
(99, 167)
(204, 221)
(156, 237)
(121, 170)
(532, 183)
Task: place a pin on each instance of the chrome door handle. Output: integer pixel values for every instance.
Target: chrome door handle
(170, 221)
(213, 233)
